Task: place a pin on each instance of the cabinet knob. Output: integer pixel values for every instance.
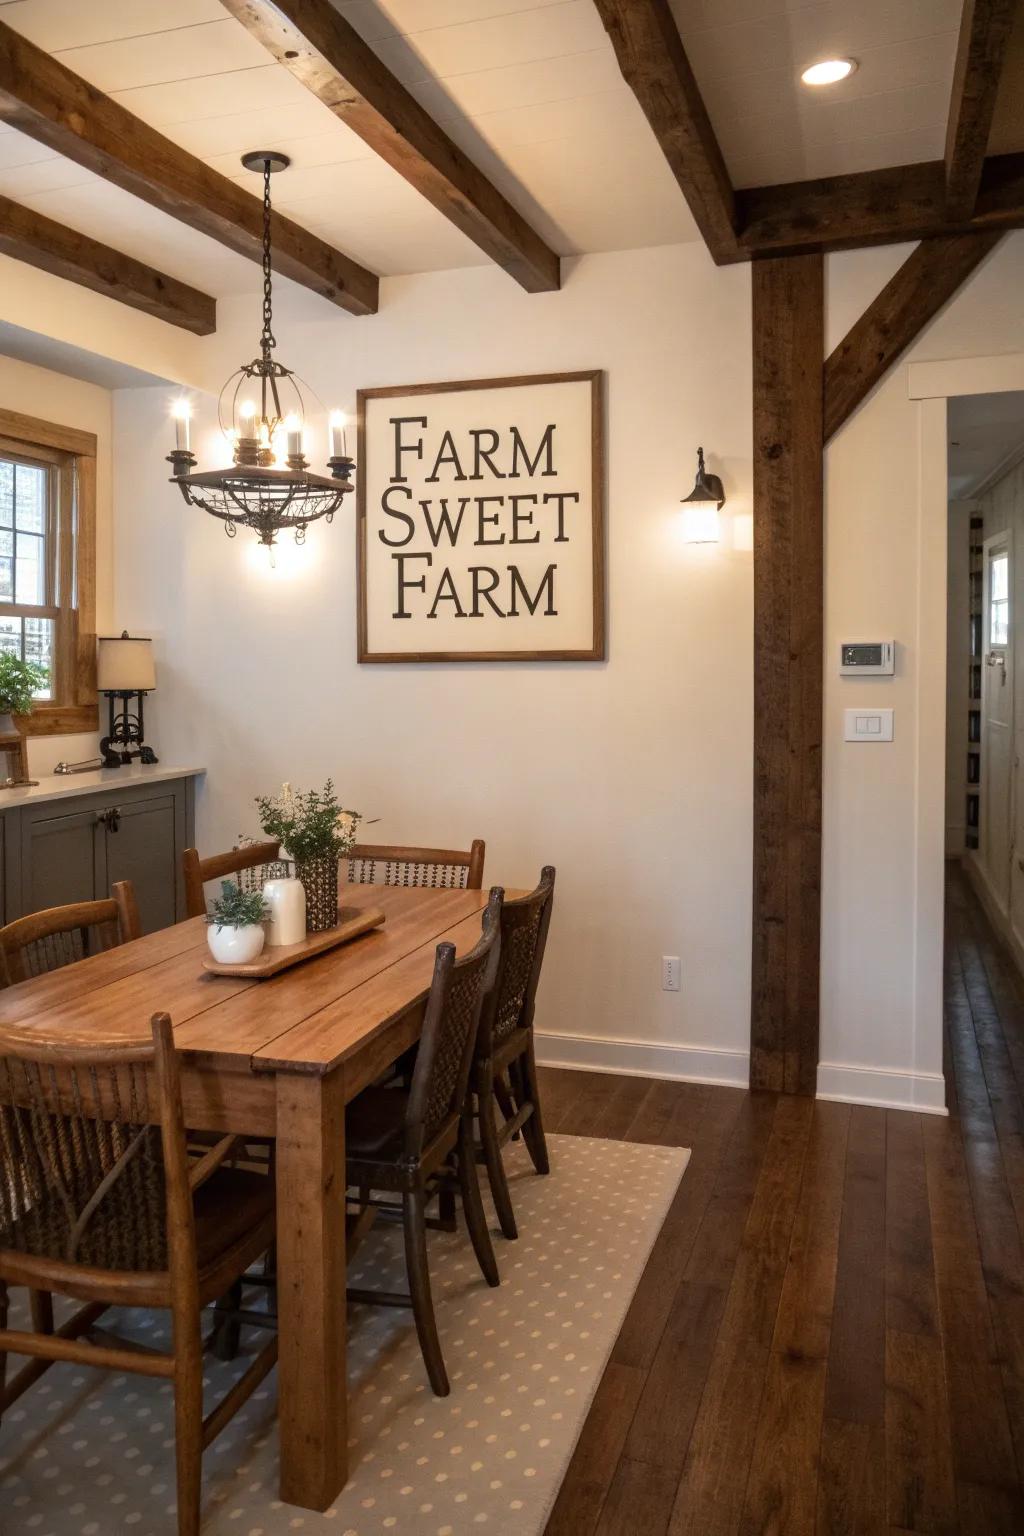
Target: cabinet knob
(111, 818)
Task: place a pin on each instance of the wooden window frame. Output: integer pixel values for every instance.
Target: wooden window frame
(74, 452)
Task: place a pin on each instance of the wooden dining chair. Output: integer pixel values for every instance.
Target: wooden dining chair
(253, 859)
(100, 1202)
(444, 868)
(46, 941)
(412, 1142)
(504, 1045)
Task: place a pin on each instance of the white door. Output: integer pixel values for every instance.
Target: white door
(996, 841)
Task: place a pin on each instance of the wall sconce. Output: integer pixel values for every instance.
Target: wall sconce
(702, 506)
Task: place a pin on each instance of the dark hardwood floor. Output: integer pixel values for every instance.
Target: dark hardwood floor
(829, 1335)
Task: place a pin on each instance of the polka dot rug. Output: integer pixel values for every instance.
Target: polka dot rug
(88, 1453)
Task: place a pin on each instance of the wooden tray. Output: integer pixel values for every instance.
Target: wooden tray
(352, 921)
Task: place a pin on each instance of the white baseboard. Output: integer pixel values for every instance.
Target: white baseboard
(642, 1058)
(921, 1091)
(924, 1091)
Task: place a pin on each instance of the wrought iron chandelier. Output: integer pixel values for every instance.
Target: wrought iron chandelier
(269, 486)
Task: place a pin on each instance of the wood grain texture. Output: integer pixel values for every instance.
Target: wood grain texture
(52, 247)
(41, 97)
(901, 202)
(890, 1392)
(326, 53)
(788, 313)
(984, 32)
(653, 61)
(927, 280)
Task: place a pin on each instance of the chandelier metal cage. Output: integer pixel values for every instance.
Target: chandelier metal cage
(262, 411)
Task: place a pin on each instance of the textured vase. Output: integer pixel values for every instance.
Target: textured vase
(320, 882)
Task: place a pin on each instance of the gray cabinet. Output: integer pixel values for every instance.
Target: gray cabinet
(74, 849)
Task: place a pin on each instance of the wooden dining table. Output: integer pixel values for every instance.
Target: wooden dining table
(279, 1057)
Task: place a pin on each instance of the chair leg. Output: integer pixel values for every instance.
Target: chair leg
(486, 1089)
(227, 1330)
(533, 1130)
(414, 1223)
(446, 1212)
(473, 1206)
(503, 1094)
(188, 1421)
(41, 1307)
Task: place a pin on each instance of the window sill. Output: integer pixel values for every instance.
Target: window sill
(61, 720)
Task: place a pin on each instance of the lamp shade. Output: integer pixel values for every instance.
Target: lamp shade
(125, 664)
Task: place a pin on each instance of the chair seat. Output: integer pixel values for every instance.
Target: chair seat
(234, 1216)
(375, 1124)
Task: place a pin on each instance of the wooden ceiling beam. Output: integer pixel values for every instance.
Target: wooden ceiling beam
(41, 242)
(654, 64)
(326, 53)
(906, 202)
(926, 281)
(44, 99)
(984, 33)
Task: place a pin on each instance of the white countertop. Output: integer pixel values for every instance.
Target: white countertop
(63, 786)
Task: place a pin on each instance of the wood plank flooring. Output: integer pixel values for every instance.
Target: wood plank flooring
(829, 1335)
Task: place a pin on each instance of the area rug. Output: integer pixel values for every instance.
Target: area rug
(85, 1453)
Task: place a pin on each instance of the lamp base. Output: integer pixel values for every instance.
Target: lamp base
(123, 741)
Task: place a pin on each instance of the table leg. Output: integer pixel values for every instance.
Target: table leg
(311, 1287)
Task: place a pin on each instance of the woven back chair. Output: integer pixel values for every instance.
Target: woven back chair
(100, 1202)
(504, 1068)
(444, 868)
(252, 864)
(46, 941)
(418, 1141)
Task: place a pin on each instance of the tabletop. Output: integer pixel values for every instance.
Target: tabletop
(308, 1019)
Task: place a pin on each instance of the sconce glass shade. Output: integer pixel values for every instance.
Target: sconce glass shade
(702, 506)
(124, 664)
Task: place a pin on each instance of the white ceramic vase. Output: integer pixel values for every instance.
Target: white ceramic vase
(235, 946)
(286, 900)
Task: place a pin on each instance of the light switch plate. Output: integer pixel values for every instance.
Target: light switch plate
(868, 725)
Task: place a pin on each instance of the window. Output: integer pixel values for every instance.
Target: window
(999, 599)
(47, 560)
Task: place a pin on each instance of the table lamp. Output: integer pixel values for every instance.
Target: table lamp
(125, 671)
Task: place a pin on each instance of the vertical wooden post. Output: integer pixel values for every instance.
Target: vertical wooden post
(789, 346)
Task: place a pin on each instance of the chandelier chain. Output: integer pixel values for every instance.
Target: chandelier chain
(267, 341)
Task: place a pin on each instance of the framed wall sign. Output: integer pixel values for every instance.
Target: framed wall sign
(480, 527)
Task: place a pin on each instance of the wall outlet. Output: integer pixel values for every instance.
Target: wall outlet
(670, 973)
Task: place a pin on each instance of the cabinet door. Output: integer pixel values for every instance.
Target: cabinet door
(143, 851)
(62, 859)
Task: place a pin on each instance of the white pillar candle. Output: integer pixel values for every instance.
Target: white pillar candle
(287, 902)
(337, 422)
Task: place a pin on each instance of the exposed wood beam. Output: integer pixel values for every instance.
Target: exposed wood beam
(43, 98)
(928, 278)
(984, 32)
(788, 316)
(43, 243)
(326, 53)
(654, 63)
(905, 202)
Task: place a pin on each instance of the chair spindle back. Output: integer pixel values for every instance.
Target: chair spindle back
(440, 868)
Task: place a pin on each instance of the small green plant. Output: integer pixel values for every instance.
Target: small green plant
(19, 682)
(310, 824)
(235, 908)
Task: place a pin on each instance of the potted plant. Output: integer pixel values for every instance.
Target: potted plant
(317, 832)
(20, 681)
(236, 934)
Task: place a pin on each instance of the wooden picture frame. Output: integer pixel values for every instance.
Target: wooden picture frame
(594, 647)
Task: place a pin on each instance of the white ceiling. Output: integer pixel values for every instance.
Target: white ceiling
(986, 437)
(529, 88)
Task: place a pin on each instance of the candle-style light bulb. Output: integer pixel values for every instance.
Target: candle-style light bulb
(181, 411)
(293, 427)
(337, 425)
(246, 414)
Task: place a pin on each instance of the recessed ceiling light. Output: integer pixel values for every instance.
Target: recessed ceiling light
(828, 71)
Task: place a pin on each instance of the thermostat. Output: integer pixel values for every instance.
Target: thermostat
(867, 658)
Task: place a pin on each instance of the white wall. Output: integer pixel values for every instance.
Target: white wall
(71, 403)
(632, 776)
